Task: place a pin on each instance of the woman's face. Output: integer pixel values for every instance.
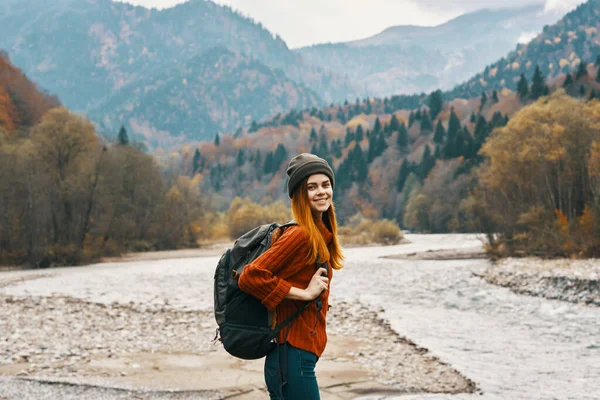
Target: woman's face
(320, 193)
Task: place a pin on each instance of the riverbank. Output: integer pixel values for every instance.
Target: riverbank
(144, 329)
(575, 281)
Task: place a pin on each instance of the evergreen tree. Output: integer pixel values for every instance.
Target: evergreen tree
(341, 116)
(568, 81)
(394, 124)
(268, 164)
(313, 135)
(196, 161)
(368, 108)
(597, 63)
(403, 175)
(440, 132)
(240, 159)
(473, 118)
(323, 148)
(402, 139)
(349, 137)
(523, 88)
(426, 165)
(426, 124)
(592, 95)
(411, 119)
(598, 75)
(581, 71)
(253, 127)
(538, 84)
(360, 164)
(436, 103)
(360, 134)
(257, 161)
(321, 115)
(377, 127)
(481, 130)
(495, 97)
(453, 125)
(217, 140)
(482, 101)
(581, 91)
(314, 149)
(279, 157)
(123, 137)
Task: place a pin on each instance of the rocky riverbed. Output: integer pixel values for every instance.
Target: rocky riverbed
(576, 281)
(136, 329)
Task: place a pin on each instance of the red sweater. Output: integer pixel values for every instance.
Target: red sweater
(270, 277)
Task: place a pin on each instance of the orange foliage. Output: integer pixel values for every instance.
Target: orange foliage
(21, 102)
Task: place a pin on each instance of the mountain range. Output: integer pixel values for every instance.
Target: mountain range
(190, 71)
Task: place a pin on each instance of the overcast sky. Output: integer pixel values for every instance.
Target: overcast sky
(305, 22)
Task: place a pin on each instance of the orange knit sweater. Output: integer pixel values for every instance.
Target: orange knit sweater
(270, 277)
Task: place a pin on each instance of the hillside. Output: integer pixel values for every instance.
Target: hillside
(560, 48)
(87, 52)
(413, 59)
(22, 103)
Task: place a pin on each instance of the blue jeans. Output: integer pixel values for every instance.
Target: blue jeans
(300, 378)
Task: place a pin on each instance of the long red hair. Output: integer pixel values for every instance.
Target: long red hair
(304, 217)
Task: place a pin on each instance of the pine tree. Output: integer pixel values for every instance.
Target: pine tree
(598, 75)
(196, 161)
(349, 137)
(323, 148)
(482, 101)
(360, 134)
(360, 164)
(473, 118)
(495, 97)
(538, 84)
(427, 163)
(394, 124)
(313, 134)
(268, 164)
(123, 137)
(403, 175)
(581, 91)
(426, 123)
(253, 127)
(217, 140)
(481, 129)
(377, 127)
(592, 95)
(523, 88)
(597, 63)
(436, 103)
(581, 71)
(453, 125)
(440, 132)
(411, 119)
(402, 139)
(240, 159)
(568, 81)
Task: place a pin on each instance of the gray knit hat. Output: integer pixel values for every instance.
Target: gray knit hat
(304, 165)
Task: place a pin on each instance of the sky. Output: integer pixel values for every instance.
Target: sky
(305, 22)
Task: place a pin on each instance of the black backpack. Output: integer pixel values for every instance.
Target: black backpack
(244, 323)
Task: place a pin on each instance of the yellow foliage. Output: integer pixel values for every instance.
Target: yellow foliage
(528, 64)
(515, 65)
(572, 56)
(557, 40)
(493, 72)
(547, 41)
(562, 63)
(594, 160)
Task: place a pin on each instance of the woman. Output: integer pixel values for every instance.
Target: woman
(286, 276)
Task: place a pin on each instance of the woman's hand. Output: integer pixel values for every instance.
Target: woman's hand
(317, 285)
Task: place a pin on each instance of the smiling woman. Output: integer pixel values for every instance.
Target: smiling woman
(297, 268)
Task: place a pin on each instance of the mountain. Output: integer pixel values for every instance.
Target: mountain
(560, 48)
(93, 53)
(414, 59)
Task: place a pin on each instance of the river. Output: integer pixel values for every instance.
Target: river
(512, 346)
